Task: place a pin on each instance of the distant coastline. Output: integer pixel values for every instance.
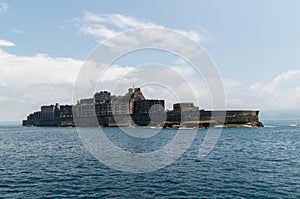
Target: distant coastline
(10, 123)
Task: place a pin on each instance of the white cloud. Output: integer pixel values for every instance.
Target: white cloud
(3, 8)
(37, 69)
(97, 31)
(13, 30)
(6, 43)
(172, 83)
(116, 72)
(193, 35)
(281, 93)
(284, 81)
(103, 26)
(27, 82)
(231, 84)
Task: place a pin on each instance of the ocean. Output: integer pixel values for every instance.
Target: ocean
(52, 162)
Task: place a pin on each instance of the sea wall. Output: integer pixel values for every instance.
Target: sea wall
(49, 122)
(204, 119)
(232, 116)
(104, 121)
(170, 119)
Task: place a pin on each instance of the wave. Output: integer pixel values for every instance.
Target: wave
(270, 126)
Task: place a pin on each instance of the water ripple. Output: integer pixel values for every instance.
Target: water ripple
(246, 163)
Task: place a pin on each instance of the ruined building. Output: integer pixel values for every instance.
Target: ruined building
(133, 109)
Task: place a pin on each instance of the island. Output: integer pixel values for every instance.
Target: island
(133, 109)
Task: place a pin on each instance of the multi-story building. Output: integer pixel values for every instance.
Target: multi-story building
(120, 107)
(102, 97)
(137, 95)
(132, 108)
(151, 105)
(34, 116)
(65, 111)
(102, 103)
(85, 108)
(48, 112)
(121, 104)
(103, 109)
(185, 107)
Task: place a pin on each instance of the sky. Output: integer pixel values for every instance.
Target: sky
(254, 44)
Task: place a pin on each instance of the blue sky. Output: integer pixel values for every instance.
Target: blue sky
(255, 44)
(241, 34)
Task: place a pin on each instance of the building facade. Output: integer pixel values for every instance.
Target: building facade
(85, 108)
(149, 105)
(133, 108)
(185, 107)
(102, 97)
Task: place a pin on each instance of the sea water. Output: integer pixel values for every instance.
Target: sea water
(245, 163)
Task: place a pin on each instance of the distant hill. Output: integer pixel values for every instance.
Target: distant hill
(2, 123)
(280, 115)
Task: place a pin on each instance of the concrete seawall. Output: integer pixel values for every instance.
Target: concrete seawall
(171, 119)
